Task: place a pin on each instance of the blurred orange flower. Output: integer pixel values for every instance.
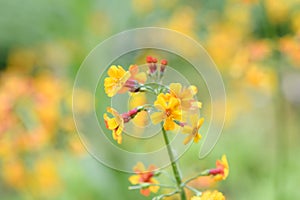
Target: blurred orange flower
(144, 176)
(222, 169)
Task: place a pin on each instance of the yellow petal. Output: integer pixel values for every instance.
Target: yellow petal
(119, 129)
(187, 129)
(175, 89)
(154, 189)
(120, 71)
(197, 137)
(134, 179)
(157, 117)
(111, 123)
(169, 124)
(199, 104)
(174, 103)
(194, 120)
(140, 167)
(113, 71)
(160, 102)
(200, 123)
(188, 139)
(193, 89)
(141, 77)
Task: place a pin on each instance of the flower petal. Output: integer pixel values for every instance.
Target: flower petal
(134, 179)
(187, 129)
(157, 117)
(175, 89)
(169, 124)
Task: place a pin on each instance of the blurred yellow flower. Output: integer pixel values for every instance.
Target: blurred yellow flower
(210, 195)
(193, 129)
(142, 7)
(169, 110)
(144, 176)
(183, 20)
(116, 124)
(116, 80)
(46, 175)
(185, 95)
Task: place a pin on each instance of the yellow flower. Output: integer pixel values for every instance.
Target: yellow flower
(210, 195)
(185, 95)
(193, 130)
(116, 80)
(222, 169)
(144, 176)
(115, 124)
(169, 110)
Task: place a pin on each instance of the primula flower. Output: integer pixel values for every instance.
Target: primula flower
(210, 195)
(120, 81)
(169, 111)
(116, 124)
(185, 95)
(116, 80)
(144, 176)
(222, 169)
(193, 129)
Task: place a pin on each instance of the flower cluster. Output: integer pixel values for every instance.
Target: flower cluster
(175, 108)
(175, 105)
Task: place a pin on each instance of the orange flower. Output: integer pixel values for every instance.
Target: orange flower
(169, 110)
(222, 169)
(144, 176)
(116, 80)
(193, 130)
(210, 195)
(115, 124)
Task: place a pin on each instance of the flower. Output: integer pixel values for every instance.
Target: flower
(169, 110)
(222, 169)
(193, 129)
(116, 80)
(185, 95)
(116, 124)
(210, 195)
(144, 176)
(141, 77)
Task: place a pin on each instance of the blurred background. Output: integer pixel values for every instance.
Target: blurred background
(255, 44)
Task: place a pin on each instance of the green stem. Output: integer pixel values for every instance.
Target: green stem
(204, 173)
(197, 192)
(173, 164)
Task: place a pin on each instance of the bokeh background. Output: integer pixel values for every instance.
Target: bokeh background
(255, 44)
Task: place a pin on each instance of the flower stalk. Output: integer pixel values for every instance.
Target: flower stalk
(174, 165)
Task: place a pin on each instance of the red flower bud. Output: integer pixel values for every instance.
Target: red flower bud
(149, 59)
(164, 62)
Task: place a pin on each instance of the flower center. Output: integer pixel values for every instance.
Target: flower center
(168, 112)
